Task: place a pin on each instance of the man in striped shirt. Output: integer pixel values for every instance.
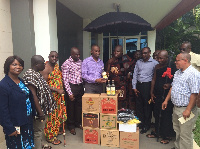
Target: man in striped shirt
(183, 93)
(71, 71)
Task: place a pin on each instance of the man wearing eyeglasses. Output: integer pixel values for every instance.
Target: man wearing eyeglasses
(195, 61)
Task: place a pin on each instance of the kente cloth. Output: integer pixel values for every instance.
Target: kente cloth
(43, 92)
(59, 115)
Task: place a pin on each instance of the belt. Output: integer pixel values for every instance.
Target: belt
(143, 82)
(76, 84)
(180, 106)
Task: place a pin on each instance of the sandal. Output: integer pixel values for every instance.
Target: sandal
(72, 131)
(46, 147)
(152, 135)
(54, 141)
(165, 140)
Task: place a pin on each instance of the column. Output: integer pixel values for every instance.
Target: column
(86, 40)
(6, 45)
(151, 37)
(45, 27)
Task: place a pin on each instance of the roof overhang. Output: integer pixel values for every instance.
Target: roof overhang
(159, 13)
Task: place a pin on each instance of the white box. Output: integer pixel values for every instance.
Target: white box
(128, 127)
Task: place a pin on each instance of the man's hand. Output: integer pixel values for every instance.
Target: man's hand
(186, 114)
(61, 91)
(153, 97)
(71, 97)
(167, 86)
(164, 105)
(13, 134)
(100, 80)
(136, 92)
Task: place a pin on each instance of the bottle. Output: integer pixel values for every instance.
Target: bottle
(112, 88)
(108, 89)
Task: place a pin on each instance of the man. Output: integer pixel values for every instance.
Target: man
(183, 93)
(71, 71)
(141, 82)
(92, 68)
(155, 55)
(137, 55)
(42, 96)
(118, 68)
(160, 86)
(53, 76)
(195, 62)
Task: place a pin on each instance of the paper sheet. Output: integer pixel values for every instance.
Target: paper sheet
(182, 120)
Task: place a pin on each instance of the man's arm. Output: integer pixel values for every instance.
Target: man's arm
(153, 84)
(191, 104)
(36, 101)
(134, 80)
(164, 104)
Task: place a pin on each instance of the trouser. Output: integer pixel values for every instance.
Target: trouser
(74, 108)
(95, 88)
(184, 138)
(38, 128)
(143, 108)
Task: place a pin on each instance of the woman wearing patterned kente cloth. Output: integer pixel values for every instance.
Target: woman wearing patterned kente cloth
(53, 76)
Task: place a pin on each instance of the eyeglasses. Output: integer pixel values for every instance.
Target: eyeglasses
(182, 49)
(178, 60)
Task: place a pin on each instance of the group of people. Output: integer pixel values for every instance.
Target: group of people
(170, 91)
(35, 104)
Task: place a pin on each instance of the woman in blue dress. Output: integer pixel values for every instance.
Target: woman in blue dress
(16, 106)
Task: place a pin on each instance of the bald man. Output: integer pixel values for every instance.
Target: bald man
(155, 55)
(183, 94)
(159, 89)
(42, 96)
(71, 71)
(118, 68)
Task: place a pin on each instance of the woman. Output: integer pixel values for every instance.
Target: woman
(16, 106)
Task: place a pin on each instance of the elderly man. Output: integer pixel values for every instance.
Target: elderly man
(92, 68)
(71, 71)
(118, 68)
(142, 77)
(42, 96)
(183, 93)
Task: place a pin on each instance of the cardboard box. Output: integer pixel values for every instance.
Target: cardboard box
(129, 139)
(108, 121)
(91, 135)
(90, 103)
(90, 120)
(108, 104)
(128, 127)
(110, 138)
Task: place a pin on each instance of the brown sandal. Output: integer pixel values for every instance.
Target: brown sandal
(54, 141)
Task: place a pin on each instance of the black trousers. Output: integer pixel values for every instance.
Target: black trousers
(143, 108)
(74, 108)
(163, 118)
(96, 88)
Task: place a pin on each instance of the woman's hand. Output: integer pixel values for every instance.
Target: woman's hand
(13, 134)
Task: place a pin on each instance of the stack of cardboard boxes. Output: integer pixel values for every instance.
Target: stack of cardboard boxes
(90, 118)
(99, 120)
(108, 120)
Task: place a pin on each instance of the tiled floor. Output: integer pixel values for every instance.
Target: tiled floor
(76, 142)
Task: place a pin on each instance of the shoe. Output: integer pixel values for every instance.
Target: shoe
(173, 148)
(144, 130)
(140, 126)
(72, 131)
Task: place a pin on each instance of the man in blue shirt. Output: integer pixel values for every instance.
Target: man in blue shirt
(183, 94)
(143, 74)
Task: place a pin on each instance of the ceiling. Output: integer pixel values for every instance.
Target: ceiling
(153, 11)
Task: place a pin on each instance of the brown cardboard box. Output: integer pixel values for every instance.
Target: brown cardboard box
(110, 138)
(90, 102)
(108, 121)
(91, 135)
(108, 104)
(129, 139)
(90, 120)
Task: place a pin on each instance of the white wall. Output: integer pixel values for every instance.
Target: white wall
(6, 45)
(151, 37)
(86, 40)
(45, 27)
